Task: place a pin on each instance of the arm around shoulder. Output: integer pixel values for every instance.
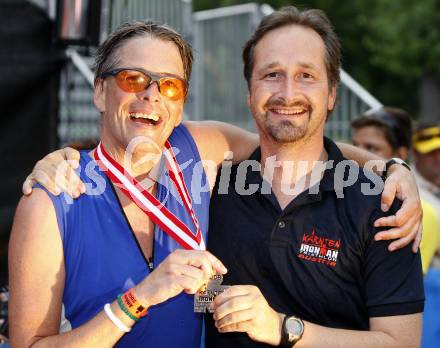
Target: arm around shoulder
(362, 157)
(214, 138)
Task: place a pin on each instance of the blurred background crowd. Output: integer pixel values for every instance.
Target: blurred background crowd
(388, 103)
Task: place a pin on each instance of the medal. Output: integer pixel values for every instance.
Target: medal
(207, 293)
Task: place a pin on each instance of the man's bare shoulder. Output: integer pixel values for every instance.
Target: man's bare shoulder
(38, 201)
(34, 212)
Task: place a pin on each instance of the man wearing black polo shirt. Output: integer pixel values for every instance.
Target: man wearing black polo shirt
(299, 242)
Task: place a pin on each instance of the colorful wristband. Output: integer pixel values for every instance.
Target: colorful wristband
(125, 309)
(133, 305)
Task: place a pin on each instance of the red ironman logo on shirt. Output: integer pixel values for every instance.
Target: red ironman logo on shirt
(319, 249)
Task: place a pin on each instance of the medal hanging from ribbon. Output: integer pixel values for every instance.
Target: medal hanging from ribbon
(149, 204)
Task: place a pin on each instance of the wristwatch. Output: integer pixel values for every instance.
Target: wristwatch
(395, 160)
(291, 332)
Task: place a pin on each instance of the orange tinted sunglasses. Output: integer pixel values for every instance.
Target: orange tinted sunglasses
(135, 80)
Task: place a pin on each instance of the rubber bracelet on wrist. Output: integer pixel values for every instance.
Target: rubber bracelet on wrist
(132, 304)
(114, 319)
(125, 309)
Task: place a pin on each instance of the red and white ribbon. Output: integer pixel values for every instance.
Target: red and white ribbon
(155, 210)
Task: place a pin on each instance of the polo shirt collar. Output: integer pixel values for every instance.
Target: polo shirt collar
(327, 182)
(334, 157)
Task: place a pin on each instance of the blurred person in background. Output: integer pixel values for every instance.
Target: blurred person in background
(426, 141)
(387, 132)
(426, 154)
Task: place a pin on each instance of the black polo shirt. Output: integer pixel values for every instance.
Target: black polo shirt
(317, 258)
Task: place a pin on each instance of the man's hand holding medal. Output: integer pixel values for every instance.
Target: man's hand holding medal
(182, 270)
(239, 308)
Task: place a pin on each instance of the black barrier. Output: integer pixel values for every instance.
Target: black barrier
(29, 76)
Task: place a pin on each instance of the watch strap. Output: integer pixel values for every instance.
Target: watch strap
(392, 161)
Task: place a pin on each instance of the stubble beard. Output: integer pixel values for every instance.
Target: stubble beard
(285, 132)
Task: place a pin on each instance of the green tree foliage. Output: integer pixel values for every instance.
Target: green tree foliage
(404, 36)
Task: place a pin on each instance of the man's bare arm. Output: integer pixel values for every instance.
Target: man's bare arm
(361, 156)
(217, 141)
(214, 139)
(36, 269)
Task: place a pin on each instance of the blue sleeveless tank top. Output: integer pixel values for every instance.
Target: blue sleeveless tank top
(102, 257)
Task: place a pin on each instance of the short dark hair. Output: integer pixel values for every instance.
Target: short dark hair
(106, 57)
(290, 15)
(395, 123)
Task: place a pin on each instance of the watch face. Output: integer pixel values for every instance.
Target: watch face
(294, 327)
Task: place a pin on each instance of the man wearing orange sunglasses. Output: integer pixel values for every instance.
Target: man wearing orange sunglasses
(108, 244)
(130, 250)
(135, 80)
